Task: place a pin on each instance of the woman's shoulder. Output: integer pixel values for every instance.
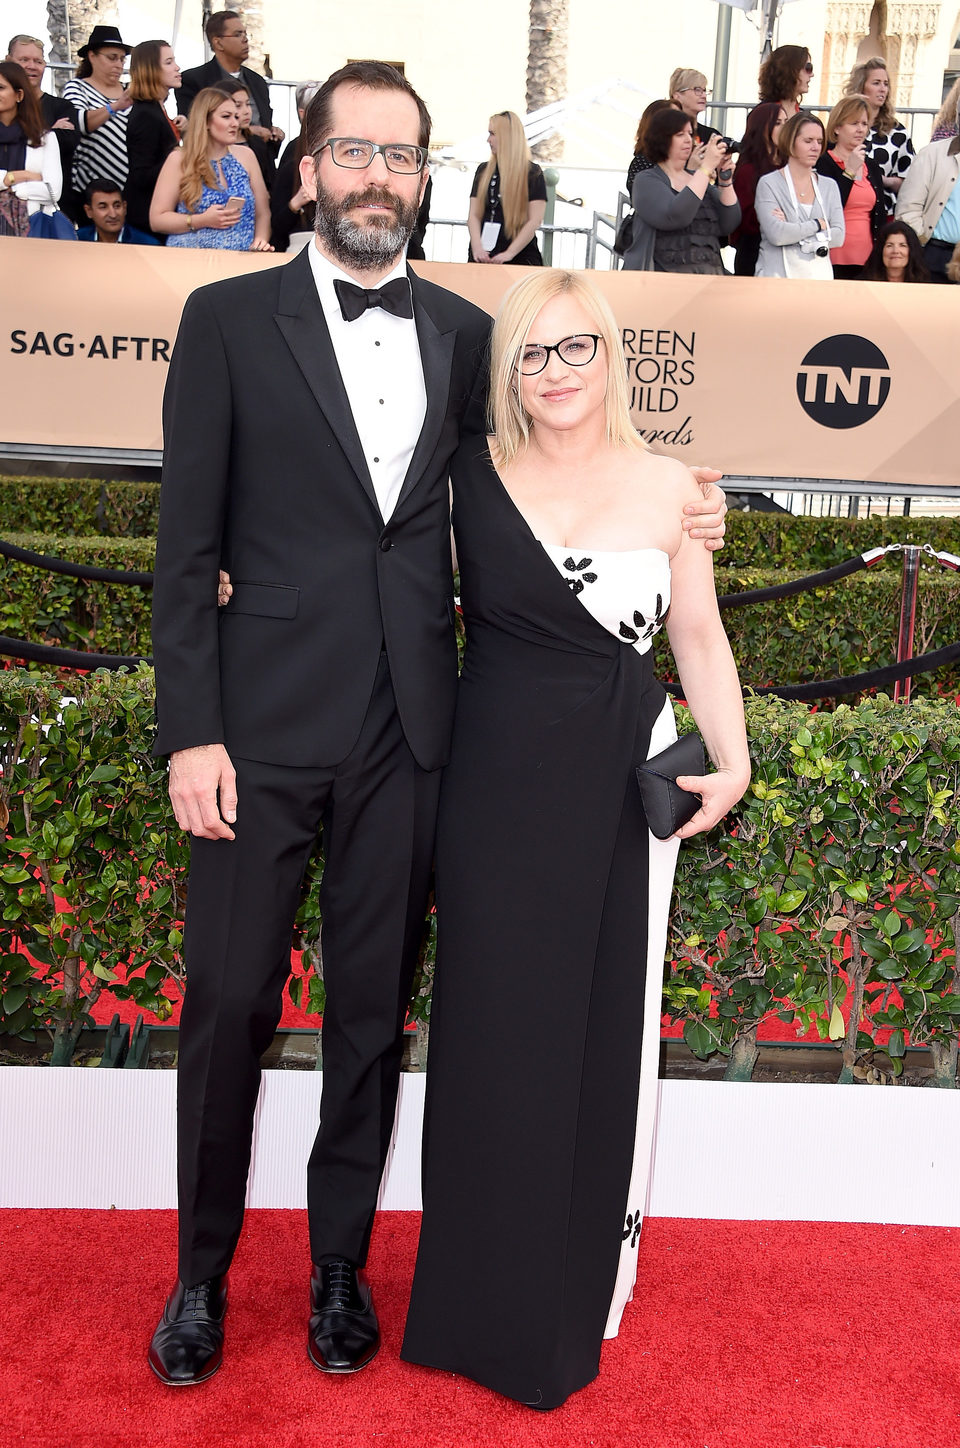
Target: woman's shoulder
(671, 478)
(79, 89)
(769, 181)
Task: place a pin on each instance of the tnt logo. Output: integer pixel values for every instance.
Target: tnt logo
(843, 381)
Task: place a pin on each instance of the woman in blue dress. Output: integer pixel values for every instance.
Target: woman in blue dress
(211, 193)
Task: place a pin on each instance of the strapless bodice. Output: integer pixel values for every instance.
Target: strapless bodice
(627, 592)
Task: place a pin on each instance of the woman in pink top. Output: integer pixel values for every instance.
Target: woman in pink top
(860, 181)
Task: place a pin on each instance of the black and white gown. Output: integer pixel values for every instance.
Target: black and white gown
(552, 900)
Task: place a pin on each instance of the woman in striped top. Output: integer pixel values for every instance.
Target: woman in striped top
(102, 104)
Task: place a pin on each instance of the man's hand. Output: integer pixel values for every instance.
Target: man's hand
(196, 776)
(705, 519)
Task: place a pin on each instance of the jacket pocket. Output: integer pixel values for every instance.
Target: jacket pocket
(266, 600)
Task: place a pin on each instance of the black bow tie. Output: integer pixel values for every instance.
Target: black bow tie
(392, 297)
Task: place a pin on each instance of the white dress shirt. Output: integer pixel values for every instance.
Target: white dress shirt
(379, 359)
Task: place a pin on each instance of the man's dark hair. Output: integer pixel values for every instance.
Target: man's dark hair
(660, 131)
(217, 22)
(365, 75)
(103, 185)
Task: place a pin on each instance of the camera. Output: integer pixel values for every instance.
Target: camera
(733, 147)
(817, 245)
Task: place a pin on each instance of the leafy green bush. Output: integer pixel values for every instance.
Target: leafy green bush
(836, 883)
(805, 545)
(43, 607)
(79, 506)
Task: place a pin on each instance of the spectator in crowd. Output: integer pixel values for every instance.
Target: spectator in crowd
(508, 199)
(211, 193)
(785, 77)
(953, 266)
(897, 256)
(56, 113)
(800, 213)
(887, 141)
(859, 181)
(291, 209)
(929, 201)
(688, 90)
(678, 215)
(151, 134)
(101, 104)
(415, 244)
(230, 46)
(641, 162)
(264, 151)
(105, 206)
(30, 175)
(945, 121)
(758, 156)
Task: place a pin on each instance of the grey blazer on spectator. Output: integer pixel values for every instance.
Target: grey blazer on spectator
(657, 207)
(773, 191)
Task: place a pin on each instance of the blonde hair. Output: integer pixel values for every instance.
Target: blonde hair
(512, 160)
(848, 108)
(519, 309)
(196, 168)
(146, 79)
(684, 78)
(859, 76)
(25, 40)
(949, 113)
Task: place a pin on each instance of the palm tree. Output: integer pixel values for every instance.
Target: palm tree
(547, 65)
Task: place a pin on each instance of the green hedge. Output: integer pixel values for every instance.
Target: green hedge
(844, 629)
(833, 891)
(80, 506)
(88, 507)
(804, 545)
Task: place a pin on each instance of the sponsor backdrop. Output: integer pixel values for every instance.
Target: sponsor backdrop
(760, 378)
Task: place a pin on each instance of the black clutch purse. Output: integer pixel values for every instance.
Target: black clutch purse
(666, 805)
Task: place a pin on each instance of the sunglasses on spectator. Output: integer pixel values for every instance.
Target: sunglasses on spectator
(808, 67)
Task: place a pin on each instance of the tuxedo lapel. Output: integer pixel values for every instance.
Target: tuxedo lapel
(300, 318)
(436, 355)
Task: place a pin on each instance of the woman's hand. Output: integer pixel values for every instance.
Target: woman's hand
(224, 589)
(856, 161)
(221, 218)
(480, 255)
(125, 101)
(715, 153)
(299, 200)
(63, 125)
(778, 214)
(181, 123)
(499, 259)
(719, 792)
(260, 243)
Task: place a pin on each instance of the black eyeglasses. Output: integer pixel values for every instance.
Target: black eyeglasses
(576, 351)
(809, 67)
(357, 155)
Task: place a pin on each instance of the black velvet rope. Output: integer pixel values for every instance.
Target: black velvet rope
(796, 585)
(852, 683)
(67, 658)
(75, 570)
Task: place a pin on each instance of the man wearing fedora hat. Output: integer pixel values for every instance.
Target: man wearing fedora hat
(230, 46)
(102, 105)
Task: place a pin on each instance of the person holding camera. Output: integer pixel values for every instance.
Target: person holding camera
(800, 213)
(680, 216)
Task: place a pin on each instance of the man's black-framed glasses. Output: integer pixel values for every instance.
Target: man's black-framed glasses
(357, 155)
(576, 351)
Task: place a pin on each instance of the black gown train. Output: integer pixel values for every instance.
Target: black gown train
(551, 896)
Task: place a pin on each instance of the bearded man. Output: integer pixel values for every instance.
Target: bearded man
(309, 417)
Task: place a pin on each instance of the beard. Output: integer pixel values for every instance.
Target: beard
(370, 245)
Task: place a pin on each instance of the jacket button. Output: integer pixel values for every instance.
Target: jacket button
(385, 545)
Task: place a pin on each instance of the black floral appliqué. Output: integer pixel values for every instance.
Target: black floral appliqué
(645, 628)
(576, 584)
(632, 1226)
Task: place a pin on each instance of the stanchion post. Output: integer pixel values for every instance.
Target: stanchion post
(908, 616)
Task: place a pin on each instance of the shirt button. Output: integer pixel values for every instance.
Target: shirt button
(385, 545)
(376, 460)
(376, 344)
(381, 402)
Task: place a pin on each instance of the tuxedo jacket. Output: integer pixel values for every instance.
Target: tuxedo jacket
(201, 76)
(264, 475)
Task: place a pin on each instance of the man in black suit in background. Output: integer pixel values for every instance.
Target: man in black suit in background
(230, 46)
(309, 418)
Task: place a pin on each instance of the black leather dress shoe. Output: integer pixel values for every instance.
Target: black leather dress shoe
(344, 1334)
(187, 1346)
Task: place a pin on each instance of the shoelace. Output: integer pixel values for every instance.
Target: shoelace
(339, 1284)
(196, 1300)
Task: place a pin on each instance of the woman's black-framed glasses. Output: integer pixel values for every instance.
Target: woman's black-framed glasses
(576, 351)
(357, 155)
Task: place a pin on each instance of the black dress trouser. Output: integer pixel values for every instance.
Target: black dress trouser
(378, 812)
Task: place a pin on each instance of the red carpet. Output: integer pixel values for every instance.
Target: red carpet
(754, 1334)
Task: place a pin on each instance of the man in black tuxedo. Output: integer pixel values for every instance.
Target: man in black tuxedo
(230, 46)
(309, 417)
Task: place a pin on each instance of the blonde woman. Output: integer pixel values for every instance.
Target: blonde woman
(508, 199)
(688, 90)
(887, 141)
(552, 893)
(859, 181)
(946, 121)
(211, 193)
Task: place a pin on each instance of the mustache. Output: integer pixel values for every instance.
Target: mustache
(371, 196)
